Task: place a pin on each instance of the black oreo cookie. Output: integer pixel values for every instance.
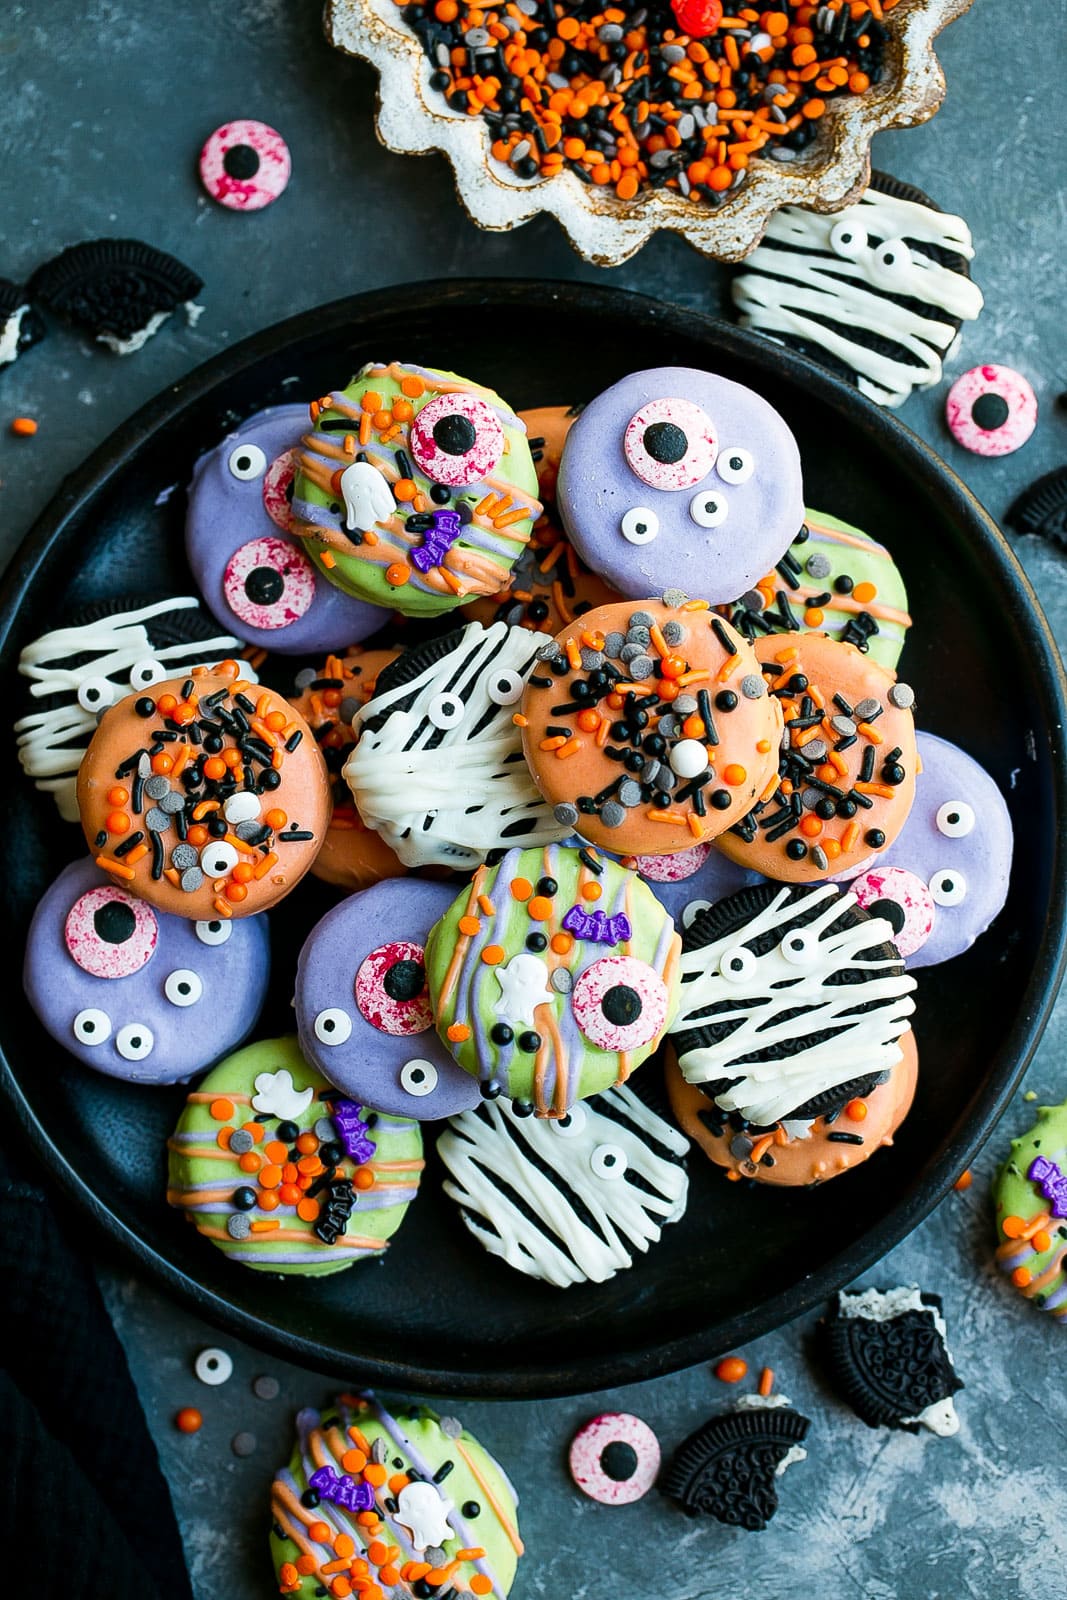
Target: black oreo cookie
(114, 288)
(1042, 508)
(889, 1366)
(409, 665)
(756, 997)
(20, 325)
(728, 1468)
(814, 293)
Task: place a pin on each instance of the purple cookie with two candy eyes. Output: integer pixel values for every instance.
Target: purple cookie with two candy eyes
(135, 992)
(363, 1011)
(678, 479)
(255, 579)
(945, 877)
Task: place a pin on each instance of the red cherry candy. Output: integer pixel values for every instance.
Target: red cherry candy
(697, 18)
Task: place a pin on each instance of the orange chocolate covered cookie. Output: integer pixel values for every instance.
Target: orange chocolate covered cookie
(205, 795)
(847, 772)
(353, 856)
(550, 584)
(778, 1156)
(647, 725)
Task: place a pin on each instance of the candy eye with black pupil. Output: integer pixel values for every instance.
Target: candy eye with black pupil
(96, 694)
(505, 688)
(735, 465)
(619, 1002)
(247, 462)
(109, 933)
(390, 989)
(639, 525)
(268, 583)
(92, 1026)
(955, 819)
(608, 1161)
(709, 508)
(670, 444)
(418, 1078)
(214, 932)
(183, 987)
(333, 1026)
(948, 887)
(146, 672)
(457, 439)
(737, 964)
(446, 711)
(134, 1042)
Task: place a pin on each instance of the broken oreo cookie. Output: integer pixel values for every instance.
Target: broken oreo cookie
(887, 1359)
(119, 290)
(729, 1468)
(20, 325)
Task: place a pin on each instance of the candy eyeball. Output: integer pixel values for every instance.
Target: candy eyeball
(800, 948)
(948, 887)
(620, 1003)
(955, 819)
(96, 694)
(245, 165)
(991, 410)
(608, 1161)
(269, 583)
(457, 439)
(735, 464)
(709, 508)
(446, 711)
(891, 264)
(901, 899)
(670, 444)
(146, 672)
(848, 239)
(639, 525)
(247, 462)
(738, 963)
(110, 933)
(278, 489)
(391, 989)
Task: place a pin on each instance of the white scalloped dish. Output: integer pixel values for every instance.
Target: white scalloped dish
(413, 118)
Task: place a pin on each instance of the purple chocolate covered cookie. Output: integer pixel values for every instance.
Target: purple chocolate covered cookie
(362, 1007)
(135, 992)
(676, 478)
(945, 877)
(253, 576)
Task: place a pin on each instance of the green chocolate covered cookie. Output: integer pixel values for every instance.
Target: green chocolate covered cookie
(415, 489)
(282, 1172)
(1030, 1194)
(553, 976)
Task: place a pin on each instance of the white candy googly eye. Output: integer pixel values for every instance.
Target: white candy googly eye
(735, 465)
(570, 1126)
(709, 508)
(505, 688)
(737, 963)
(217, 931)
(948, 887)
(246, 462)
(92, 1026)
(96, 694)
(800, 947)
(446, 710)
(146, 672)
(218, 858)
(134, 1042)
(333, 1026)
(955, 819)
(213, 1367)
(848, 239)
(639, 525)
(608, 1161)
(183, 987)
(891, 263)
(418, 1077)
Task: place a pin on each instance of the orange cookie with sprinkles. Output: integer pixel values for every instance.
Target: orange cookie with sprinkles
(798, 1153)
(648, 726)
(205, 795)
(550, 584)
(353, 856)
(415, 489)
(846, 774)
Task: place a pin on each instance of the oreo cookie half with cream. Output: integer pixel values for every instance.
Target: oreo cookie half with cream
(103, 653)
(119, 290)
(887, 1358)
(20, 325)
(877, 292)
(729, 1469)
(793, 1000)
(438, 768)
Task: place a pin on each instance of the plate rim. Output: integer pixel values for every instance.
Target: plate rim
(46, 536)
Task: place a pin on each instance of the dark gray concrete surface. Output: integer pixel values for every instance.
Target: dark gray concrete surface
(103, 107)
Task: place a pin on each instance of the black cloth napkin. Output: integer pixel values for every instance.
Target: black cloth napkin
(85, 1510)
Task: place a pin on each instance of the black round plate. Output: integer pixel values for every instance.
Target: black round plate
(438, 1314)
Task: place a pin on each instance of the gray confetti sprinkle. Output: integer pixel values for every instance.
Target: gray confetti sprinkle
(183, 856)
(172, 803)
(673, 632)
(157, 787)
(610, 33)
(642, 667)
(549, 651)
(818, 565)
(238, 1226)
(514, 616)
(665, 779)
(265, 1387)
(902, 695)
(752, 600)
(476, 37)
(662, 158)
(816, 750)
(192, 879)
(250, 831)
(668, 726)
(561, 980)
(566, 813)
(686, 125)
(324, 1130)
(613, 642)
(450, 1427)
(144, 766)
(740, 1146)
(650, 768)
(612, 815)
(641, 619)
(157, 821)
(674, 597)
(433, 1553)
(752, 686)
(305, 677)
(379, 1450)
(350, 709)
(672, 53)
(636, 634)
(810, 798)
(522, 149)
(241, 1141)
(685, 705)
(630, 793)
(844, 727)
(591, 659)
(243, 1444)
(444, 59)
(818, 855)
(629, 652)
(867, 708)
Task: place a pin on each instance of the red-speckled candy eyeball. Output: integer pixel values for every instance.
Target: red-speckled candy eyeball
(698, 18)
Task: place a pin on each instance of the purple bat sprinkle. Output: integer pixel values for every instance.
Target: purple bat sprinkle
(1052, 1182)
(355, 1135)
(438, 540)
(342, 1491)
(597, 928)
